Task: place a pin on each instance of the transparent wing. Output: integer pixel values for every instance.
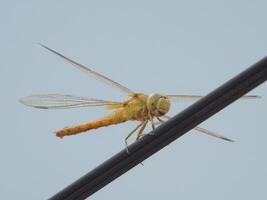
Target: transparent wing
(196, 97)
(206, 131)
(57, 101)
(183, 97)
(91, 72)
(250, 97)
(211, 133)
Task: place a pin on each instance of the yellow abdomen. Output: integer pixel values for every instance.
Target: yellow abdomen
(115, 117)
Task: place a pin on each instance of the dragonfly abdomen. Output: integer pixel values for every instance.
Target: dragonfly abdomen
(111, 119)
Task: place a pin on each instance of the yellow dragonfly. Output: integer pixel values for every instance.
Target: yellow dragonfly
(139, 107)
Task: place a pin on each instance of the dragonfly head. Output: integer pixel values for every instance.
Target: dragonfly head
(158, 105)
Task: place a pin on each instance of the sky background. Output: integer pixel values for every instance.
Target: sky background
(176, 47)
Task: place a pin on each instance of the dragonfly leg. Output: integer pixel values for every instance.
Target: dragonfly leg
(160, 120)
(152, 121)
(153, 124)
(129, 135)
(141, 131)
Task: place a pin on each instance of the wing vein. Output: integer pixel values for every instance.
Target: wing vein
(57, 101)
(91, 72)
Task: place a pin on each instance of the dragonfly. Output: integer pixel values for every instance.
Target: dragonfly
(140, 107)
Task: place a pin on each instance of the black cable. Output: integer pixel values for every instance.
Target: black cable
(166, 133)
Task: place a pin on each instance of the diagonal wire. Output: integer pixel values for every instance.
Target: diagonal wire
(166, 133)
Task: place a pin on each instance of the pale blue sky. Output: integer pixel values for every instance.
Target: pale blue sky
(149, 46)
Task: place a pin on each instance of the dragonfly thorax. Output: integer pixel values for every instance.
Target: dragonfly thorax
(157, 104)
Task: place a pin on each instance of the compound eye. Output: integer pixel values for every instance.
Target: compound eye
(163, 106)
(152, 102)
